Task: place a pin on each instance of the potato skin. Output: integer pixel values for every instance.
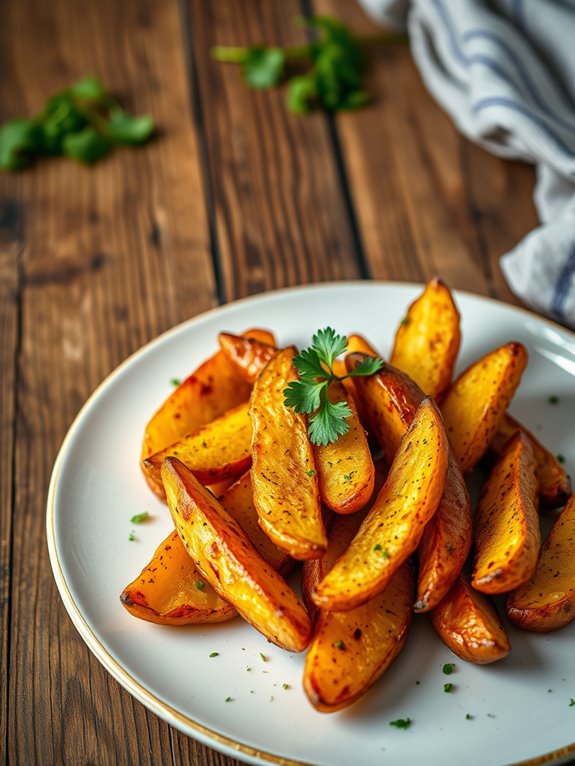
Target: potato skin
(554, 483)
(284, 479)
(475, 403)
(229, 562)
(393, 527)
(469, 625)
(547, 601)
(217, 451)
(248, 355)
(166, 591)
(390, 399)
(428, 338)
(345, 469)
(507, 537)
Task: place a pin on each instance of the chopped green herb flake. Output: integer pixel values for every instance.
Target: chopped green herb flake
(572, 702)
(553, 400)
(490, 715)
(200, 585)
(339, 644)
(448, 668)
(215, 654)
(347, 476)
(405, 321)
(140, 517)
(468, 717)
(561, 458)
(176, 382)
(286, 686)
(401, 723)
(131, 537)
(229, 699)
(311, 472)
(448, 688)
(377, 547)
(264, 658)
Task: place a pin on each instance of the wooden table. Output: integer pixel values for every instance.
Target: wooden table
(235, 197)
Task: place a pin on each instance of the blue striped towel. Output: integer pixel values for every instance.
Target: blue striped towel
(505, 72)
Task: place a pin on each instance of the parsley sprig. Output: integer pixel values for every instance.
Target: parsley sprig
(334, 80)
(309, 395)
(82, 122)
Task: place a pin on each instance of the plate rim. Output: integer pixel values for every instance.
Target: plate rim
(151, 701)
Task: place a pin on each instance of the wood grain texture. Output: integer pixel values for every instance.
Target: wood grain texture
(279, 208)
(427, 201)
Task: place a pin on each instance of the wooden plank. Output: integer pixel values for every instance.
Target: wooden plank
(108, 257)
(427, 200)
(280, 214)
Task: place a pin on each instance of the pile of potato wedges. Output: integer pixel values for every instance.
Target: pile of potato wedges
(381, 519)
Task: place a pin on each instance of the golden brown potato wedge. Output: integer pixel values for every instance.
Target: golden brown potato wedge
(351, 650)
(468, 624)
(212, 389)
(394, 525)
(230, 563)
(238, 501)
(284, 480)
(547, 601)
(172, 591)
(554, 483)
(476, 402)
(217, 451)
(427, 340)
(248, 355)
(345, 468)
(507, 537)
(390, 399)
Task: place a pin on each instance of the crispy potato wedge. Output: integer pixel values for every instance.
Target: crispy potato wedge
(345, 468)
(248, 355)
(284, 480)
(212, 389)
(217, 451)
(554, 483)
(427, 340)
(172, 591)
(238, 501)
(507, 537)
(547, 601)
(476, 402)
(351, 650)
(394, 525)
(230, 563)
(468, 624)
(390, 399)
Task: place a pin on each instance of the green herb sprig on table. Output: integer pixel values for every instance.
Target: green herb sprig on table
(82, 122)
(309, 394)
(335, 79)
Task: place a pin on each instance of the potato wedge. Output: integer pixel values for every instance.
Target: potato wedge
(172, 591)
(547, 601)
(507, 537)
(390, 399)
(554, 483)
(476, 402)
(349, 651)
(345, 469)
(284, 480)
(248, 355)
(427, 340)
(217, 451)
(230, 563)
(468, 624)
(238, 501)
(394, 525)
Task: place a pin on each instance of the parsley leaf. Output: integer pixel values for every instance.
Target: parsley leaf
(310, 394)
(336, 59)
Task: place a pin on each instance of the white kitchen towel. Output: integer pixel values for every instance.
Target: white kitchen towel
(504, 70)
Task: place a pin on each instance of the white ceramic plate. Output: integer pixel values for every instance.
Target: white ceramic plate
(520, 707)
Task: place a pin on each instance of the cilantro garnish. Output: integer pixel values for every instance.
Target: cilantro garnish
(401, 723)
(82, 122)
(448, 668)
(337, 64)
(140, 517)
(309, 394)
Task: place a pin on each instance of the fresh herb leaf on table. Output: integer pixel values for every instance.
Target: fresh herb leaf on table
(309, 394)
(335, 79)
(82, 122)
